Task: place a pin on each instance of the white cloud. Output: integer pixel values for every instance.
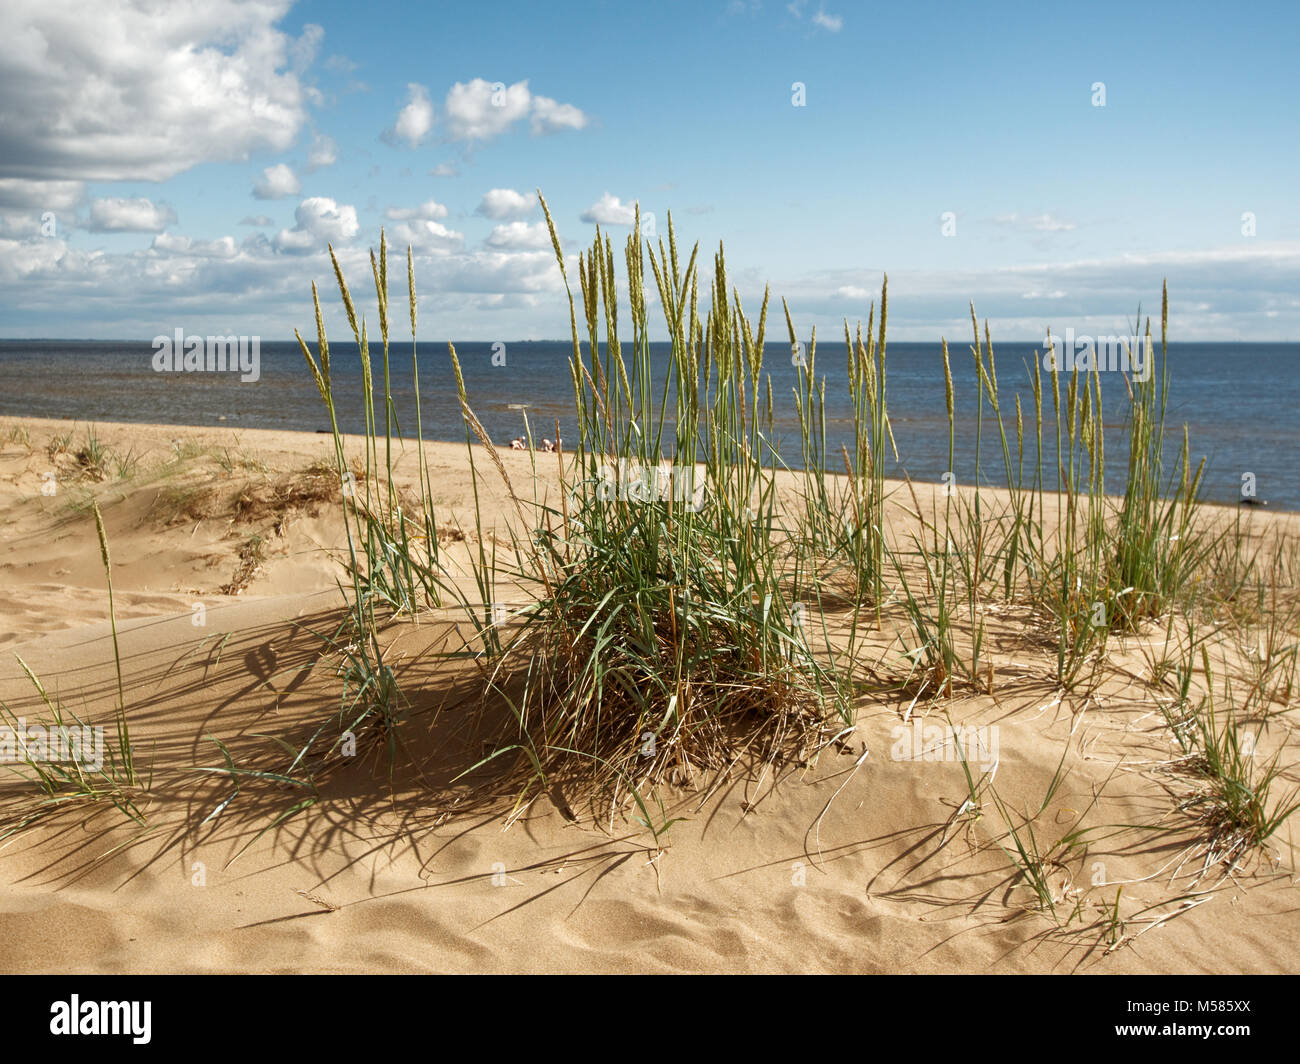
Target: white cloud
(277, 182)
(609, 210)
(1240, 291)
(414, 120)
(168, 243)
(444, 170)
(427, 236)
(24, 206)
(318, 221)
(480, 110)
(520, 236)
(116, 90)
(19, 226)
(833, 23)
(549, 116)
(23, 261)
(42, 195)
(127, 293)
(259, 220)
(302, 52)
(854, 292)
(495, 273)
(129, 216)
(428, 211)
(504, 203)
(324, 152)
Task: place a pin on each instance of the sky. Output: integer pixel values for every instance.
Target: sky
(186, 164)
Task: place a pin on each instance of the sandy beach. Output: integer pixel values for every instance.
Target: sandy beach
(226, 550)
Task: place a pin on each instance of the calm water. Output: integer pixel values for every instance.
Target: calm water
(1239, 401)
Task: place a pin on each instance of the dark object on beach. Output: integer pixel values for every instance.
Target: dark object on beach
(322, 432)
(1252, 501)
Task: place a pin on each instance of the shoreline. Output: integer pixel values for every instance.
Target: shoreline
(278, 438)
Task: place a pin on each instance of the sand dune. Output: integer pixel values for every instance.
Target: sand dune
(225, 551)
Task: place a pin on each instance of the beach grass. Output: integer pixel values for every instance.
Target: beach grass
(691, 603)
(74, 781)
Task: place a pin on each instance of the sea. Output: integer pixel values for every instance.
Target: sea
(1240, 402)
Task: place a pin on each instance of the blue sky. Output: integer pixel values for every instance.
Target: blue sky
(194, 161)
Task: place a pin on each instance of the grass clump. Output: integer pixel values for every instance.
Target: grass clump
(670, 628)
(1101, 564)
(663, 612)
(96, 769)
(1235, 801)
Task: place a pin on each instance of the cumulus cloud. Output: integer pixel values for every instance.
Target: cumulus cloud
(500, 203)
(427, 236)
(19, 226)
(550, 116)
(430, 210)
(610, 210)
(128, 293)
(414, 120)
(111, 91)
(277, 182)
(32, 208)
(43, 195)
(318, 221)
(479, 110)
(324, 152)
(129, 216)
(444, 170)
(170, 244)
(520, 236)
(256, 219)
(1245, 291)
(833, 23)
(495, 273)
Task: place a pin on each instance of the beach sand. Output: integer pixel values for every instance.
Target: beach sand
(848, 863)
